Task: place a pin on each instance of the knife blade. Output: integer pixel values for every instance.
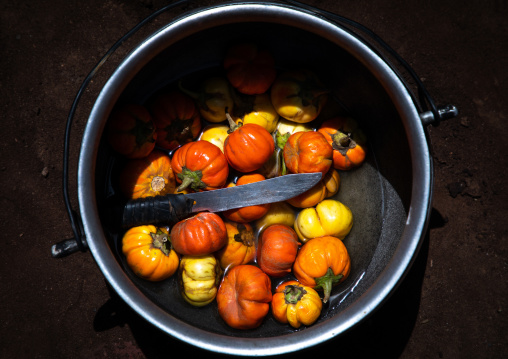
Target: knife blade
(171, 208)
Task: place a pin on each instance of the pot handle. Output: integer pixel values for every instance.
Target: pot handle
(78, 242)
(430, 113)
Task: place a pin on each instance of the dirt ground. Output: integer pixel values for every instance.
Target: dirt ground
(453, 303)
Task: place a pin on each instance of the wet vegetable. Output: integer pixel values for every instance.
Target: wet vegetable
(279, 213)
(307, 152)
(322, 263)
(256, 109)
(248, 146)
(199, 278)
(131, 131)
(277, 249)
(286, 126)
(241, 245)
(348, 142)
(200, 165)
(296, 304)
(332, 182)
(298, 95)
(149, 253)
(216, 134)
(244, 297)
(249, 213)
(213, 99)
(327, 187)
(310, 197)
(148, 176)
(250, 68)
(201, 234)
(329, 218)
(176, 118)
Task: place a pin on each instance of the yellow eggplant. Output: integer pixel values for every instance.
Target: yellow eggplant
(216, 134)
(332, 182)
(199, 278)
(279, 213)
(286, 128)
(213, 99)
(329, 218)
(298, 95)
(256, 109)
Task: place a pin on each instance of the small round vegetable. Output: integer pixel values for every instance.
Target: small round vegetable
(277, 249)
(298, 95)
(347, 140)
(201, 234)
(296, 304)
(307, 152)
(244, 297)
(216, 134)
(149, 254)
(213, 99)
(279, 213)
(310, 197)
(248, 146)
(332, 182)
(200, 165)
(250, 68)
(322, 263)
(256, 109)
(249, 213)
(327, 187)
(241, 246)
(285, 126)
(148, 176)
(131, 131)
(176, 117)
(329, 218)
(199, 278)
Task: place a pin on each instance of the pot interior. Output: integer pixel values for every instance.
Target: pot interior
(378, 193)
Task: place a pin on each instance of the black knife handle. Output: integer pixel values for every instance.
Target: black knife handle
(165, 210)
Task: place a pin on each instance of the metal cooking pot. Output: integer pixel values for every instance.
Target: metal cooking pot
(389, 195)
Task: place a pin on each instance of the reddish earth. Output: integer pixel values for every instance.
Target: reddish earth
(454, 302)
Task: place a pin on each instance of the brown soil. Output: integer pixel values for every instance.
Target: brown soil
(454, 302)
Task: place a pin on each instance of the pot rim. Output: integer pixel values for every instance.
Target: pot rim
(417, 216)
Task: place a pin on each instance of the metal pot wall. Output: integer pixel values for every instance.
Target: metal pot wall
(390, 195)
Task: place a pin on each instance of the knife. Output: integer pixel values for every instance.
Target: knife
(172, 208)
